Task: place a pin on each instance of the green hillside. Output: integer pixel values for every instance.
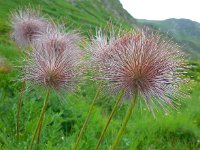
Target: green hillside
(86, 14)
(186, 32)
(179, 129)
(82, 15)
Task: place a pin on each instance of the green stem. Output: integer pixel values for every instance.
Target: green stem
(88, 117)
(40, 118)
(19, 107)
(39, 131)
(109, 119)
(125, 121)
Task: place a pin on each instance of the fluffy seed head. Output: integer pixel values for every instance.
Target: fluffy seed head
(99, 48)
(140, 60)
(57, 39)
(26, 24)
(47, 67)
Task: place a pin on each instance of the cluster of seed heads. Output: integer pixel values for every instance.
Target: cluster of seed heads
(140, 59)
(55, 57)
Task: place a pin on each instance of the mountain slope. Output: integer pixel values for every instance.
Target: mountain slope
(184, 31)
(84, 15)
(117, 9)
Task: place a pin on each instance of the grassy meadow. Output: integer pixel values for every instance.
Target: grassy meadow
(66, 112)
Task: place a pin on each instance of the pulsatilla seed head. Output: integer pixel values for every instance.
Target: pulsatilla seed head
(140, 60)
(49, 68)
(57, 39)
(26, 24)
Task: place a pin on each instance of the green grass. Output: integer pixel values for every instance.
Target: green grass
(66, 112)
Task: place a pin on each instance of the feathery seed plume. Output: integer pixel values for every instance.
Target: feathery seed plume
(26, 24)
(47, 67)
(57, 39)
(140, 59)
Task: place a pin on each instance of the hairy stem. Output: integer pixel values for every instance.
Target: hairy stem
(125, 121)
(109, 119)
(88, 117)
(40, 118)
(19, 108)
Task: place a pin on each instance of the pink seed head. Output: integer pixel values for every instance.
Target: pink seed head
(100, 48)
(140, 60)
(26, 24)
(56, 39)
(47, 67)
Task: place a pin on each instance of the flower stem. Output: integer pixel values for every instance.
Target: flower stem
(109, 119)
(125, 121)
(39, 131)
(19, 107)
(88, 117)
(40, 118)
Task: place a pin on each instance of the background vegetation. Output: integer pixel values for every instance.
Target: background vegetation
(66, 112)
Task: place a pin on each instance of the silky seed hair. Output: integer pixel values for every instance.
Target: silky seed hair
(48, 67)
(26, 24)
(59, 40)
(144, 60)
(98, 48)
